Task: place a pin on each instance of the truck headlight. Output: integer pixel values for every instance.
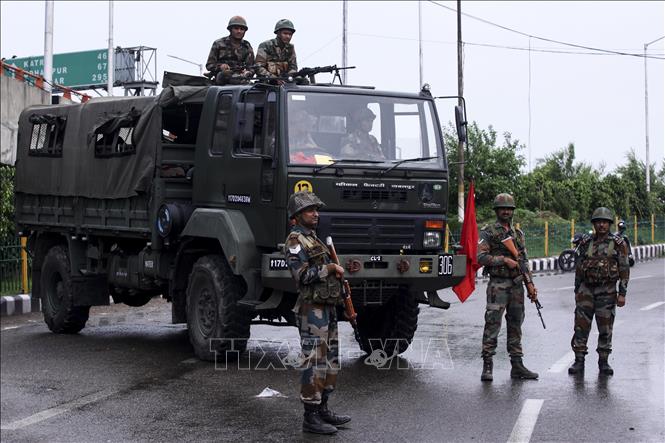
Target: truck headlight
(431, 239)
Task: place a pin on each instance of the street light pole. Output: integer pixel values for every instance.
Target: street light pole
(188, 61)
(646, 114)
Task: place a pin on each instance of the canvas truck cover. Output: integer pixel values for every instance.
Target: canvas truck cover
(106, 148)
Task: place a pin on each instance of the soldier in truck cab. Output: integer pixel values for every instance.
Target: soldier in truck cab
(302, 146)
(360, 143)
(231, 56)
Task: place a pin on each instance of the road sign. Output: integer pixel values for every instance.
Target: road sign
(80, 70)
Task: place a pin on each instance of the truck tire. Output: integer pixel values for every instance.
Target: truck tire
(60, 314)
(389, 328)
(215, 322)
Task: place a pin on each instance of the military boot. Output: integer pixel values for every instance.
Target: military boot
(487, 370)
(603, 366)
(329, 416)
(520, 371)
(578, 366)
(313, 423)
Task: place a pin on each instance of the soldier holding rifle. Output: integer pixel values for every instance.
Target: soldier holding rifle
(501, 250)
(320, 291)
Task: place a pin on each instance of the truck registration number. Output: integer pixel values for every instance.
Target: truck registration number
(445, 265)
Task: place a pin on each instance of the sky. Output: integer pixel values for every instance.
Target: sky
(546, 100)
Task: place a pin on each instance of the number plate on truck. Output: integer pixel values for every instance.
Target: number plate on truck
(445, 265)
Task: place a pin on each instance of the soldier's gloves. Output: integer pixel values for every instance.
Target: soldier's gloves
(621, 300)
(248, 74)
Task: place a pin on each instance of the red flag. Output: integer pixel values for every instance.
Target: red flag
(469, 242)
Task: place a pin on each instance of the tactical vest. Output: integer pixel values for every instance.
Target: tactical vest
(497, 248)
(601, 268)
(329, 290)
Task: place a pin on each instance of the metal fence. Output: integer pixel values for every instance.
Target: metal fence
(548, 239)
(14, 268)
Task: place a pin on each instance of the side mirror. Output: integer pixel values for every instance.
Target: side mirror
(244, 122)
(460, 123)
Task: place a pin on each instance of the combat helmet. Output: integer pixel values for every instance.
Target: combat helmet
(302, 200)
(504, 201)
(237, 20)
(284, 23)
(602, 213)
(363, 114)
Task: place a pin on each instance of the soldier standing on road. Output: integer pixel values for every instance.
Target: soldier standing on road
(319, 293)
(602, 262)
(230, 57)
(277, 57)
(505, 290)
(360, 143)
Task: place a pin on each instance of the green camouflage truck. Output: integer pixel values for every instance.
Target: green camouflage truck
(184, 195)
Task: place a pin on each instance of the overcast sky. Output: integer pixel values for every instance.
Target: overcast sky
(593, 101)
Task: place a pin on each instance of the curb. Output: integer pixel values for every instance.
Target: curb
(23, 304)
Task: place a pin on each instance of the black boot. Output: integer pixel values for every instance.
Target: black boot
(313, 423)
(329, 416)
(603, 366)
(520, 371)
(487, 369)
(578, 366)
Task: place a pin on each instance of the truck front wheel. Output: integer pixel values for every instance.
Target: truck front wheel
(58, 308)
(389, 328)
(216, 324)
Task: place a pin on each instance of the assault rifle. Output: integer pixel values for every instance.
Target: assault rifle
(509, 243)
(349, 310)
(235, 70)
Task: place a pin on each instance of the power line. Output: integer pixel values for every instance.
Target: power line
(505, 28)
(515, 48)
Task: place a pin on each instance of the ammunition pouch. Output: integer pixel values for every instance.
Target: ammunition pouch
(503, 271)
(326, 292)
(599, 270)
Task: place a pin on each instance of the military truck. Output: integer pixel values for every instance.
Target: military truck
(184, 195)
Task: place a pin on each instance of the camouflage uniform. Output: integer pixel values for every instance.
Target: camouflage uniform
(319, 294)
(223, 51)
(505, 290)
(601, 263)
(276, 58)
(360, 144)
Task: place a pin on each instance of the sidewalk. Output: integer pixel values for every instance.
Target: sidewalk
(23, 304)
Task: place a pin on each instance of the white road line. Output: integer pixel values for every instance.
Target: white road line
(641, 277)
(11, 327)
(653, 305)
(189, 361)
(562, 363)
(61, 409)
(526, 421)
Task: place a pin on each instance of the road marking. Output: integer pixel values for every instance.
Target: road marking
(566, 288)
(189, 361)
(526, 421)
(638, 278)
(11, 327)
(61, 409)
(653, 305)
(562, 363)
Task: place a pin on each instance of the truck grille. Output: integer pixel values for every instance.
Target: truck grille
(372, 232)
(374, 194)
(373, 293)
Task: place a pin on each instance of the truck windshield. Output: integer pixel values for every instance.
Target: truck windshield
(323, 127)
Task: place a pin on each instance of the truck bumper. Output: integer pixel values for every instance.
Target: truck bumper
(418, 272)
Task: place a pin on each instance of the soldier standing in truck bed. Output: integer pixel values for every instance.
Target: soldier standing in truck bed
(231, 57)
(277, 57)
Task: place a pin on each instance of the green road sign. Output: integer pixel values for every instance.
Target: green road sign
(76, 70)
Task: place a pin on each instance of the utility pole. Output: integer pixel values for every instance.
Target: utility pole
(420, 43)
(110, 58)
(646, 114)
(48, 47)
(460, 92)
(345, 38)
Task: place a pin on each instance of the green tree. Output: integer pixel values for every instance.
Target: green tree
(494, 167)
(6, 201)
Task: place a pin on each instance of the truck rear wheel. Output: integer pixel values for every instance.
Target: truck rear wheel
(389, 328)
(60, 314)
(215, 322)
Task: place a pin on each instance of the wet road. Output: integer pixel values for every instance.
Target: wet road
(131, 376)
